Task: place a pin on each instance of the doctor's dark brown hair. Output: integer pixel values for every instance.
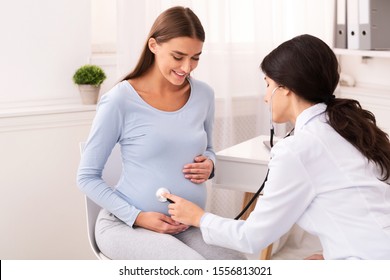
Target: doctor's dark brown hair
(308, 67)
(172, 23)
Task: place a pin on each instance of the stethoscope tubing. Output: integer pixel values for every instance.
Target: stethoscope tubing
(257, 194)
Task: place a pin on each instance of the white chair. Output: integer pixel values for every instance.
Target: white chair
(111, 174)
(92, 212)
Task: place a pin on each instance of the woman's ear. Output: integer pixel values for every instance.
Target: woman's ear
(152, 44)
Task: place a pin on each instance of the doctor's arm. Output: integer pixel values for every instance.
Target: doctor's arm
(184, 211)
(285, 198)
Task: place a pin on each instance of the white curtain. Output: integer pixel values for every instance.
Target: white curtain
(239, 33)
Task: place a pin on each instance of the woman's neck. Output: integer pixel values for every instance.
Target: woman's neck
(154, 82)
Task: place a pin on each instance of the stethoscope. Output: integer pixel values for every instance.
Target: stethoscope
(271, 123)
(257, 194)
(160, 191)
(159, 194)
(271, 143)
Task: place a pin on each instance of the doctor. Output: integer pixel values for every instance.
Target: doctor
(331, 177)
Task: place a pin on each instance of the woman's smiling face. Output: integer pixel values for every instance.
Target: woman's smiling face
(177, 57)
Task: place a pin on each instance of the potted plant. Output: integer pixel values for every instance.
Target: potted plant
(89, 78)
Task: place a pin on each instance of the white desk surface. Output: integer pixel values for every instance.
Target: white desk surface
(242, 167)
(252, 150)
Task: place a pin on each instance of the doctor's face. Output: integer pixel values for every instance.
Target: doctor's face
(275, 97)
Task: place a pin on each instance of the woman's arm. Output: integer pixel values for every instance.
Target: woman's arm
(105, 133)
(202, 168)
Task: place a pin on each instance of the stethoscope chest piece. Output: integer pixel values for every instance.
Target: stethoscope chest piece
(159, 193)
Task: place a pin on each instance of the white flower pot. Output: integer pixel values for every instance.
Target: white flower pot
(89, 94)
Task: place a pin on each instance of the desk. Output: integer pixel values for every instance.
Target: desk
(243, 167)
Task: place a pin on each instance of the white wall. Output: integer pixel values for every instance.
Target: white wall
(42, 44)
(42, 212)
(104, 27)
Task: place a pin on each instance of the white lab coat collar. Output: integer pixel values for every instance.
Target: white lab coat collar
(308, 114)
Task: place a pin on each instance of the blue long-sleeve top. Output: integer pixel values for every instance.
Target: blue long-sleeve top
(155, 145)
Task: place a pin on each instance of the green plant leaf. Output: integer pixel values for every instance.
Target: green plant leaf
(89, 75)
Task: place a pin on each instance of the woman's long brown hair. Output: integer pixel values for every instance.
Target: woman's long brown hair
(172, 23)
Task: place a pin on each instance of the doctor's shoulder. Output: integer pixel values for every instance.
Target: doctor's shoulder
(299, 145)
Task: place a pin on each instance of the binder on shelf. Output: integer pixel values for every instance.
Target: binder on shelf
(341, 24)
(353, 24)
(374, 24)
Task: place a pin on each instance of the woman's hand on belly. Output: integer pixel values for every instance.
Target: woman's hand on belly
(158, 222)
(199, 171)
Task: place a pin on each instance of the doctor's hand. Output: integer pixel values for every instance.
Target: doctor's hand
(184, 211)
(199, 171)
(158, 222)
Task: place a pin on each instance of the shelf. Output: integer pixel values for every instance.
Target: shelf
(366, 90)
(363, 53)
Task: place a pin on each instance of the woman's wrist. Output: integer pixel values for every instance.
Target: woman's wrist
(138, 219)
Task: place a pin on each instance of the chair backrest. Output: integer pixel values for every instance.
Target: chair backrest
(92, 212)
(111, 175)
